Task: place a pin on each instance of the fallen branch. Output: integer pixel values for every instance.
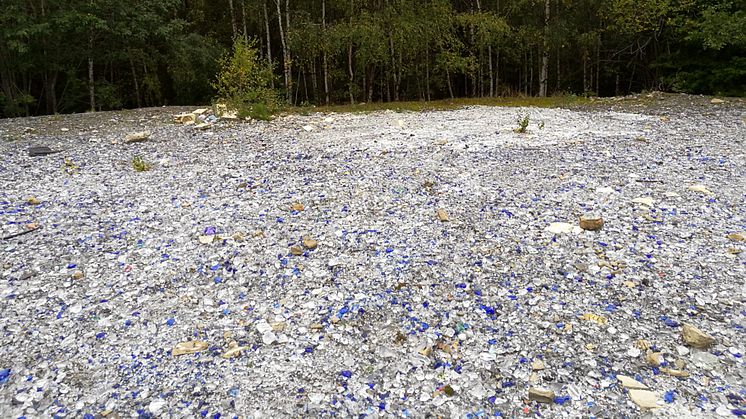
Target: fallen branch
(12, 236)
(649, 181)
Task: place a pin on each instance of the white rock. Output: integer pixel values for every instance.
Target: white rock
(488, 356)
(269, 338)
(316, 397)
(560, 228)
(722, 411)
(156, 405)
(137, 137)
(263, 327)
(629, 382)
(645, 399)
(644, 201)
(701, 189)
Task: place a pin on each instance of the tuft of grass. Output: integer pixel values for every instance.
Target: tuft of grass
(140, 165)
(523, 122)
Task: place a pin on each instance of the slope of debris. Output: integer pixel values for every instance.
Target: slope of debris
(384, 264)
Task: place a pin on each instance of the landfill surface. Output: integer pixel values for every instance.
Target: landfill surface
(394, 264)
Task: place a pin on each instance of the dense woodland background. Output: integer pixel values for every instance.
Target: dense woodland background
(59, 56)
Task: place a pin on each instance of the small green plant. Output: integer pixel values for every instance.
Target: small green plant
(70, 167)
(541, 125)
(523, 122)
(140, 165)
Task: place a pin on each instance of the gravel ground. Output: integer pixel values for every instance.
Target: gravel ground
(308, 262)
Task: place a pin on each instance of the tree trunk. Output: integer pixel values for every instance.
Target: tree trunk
(585, 72)
(91, 85)
(269, 41)
(492, 80)
(243, 21)
(421, 93)
(297, 85)
(288, 57)
(497, 71)
(531, 71)
(399, 76)
(285, 54)
(450, 87)
(559, 74)
(351, 73)
(145, 96)
(544, 76)
(50, 94)
(48, 81)
(559, 50)
(473, 75)
(305, 86)
(481, 73)
(134, 79)
(631, 78)
(27, 89)
(598, 63)
(427, 73)
(371, 84)
(393, 68)
(233, 19)
(388, 89)
(325, 61)
(616, 85)
(314, 82)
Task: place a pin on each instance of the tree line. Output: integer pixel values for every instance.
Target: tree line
(59, 56)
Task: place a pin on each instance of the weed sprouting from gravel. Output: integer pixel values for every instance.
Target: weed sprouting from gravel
(140, 165)
(523, 121)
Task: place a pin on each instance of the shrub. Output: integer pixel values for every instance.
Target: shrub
(244, 82)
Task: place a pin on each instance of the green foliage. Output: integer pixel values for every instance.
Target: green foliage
(192, 64)
(17, 105)
(523, 121)
(258, 111)
(167, 52)
(724, 77)
(718, 26)
(140, 165)
(711, 56)
(108, 96)
(244, 81)
(638, 16)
